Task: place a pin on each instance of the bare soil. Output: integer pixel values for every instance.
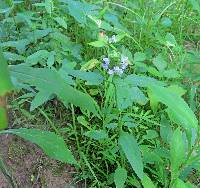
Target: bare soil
(29, 166)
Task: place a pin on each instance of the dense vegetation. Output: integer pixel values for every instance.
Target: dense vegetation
(121, 76)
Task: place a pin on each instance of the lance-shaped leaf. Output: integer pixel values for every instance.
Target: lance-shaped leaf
(51, 81)
(176, 105)
(52, 144)
(120, 177)
(5, 82)
(131, 149)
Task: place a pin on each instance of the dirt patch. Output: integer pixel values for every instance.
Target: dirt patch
(29, 166)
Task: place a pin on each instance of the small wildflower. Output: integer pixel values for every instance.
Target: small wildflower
(124, 59)
(105, 66)
(110, 71)
(106, 60)
(124, 65)
(118, 71)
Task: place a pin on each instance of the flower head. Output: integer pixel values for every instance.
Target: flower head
(110, 72)
(105, 66)
(124, 59)
(118, 70)
(106, 60)
(113, 39)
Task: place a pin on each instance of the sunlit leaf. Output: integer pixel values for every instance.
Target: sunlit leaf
(131, 149)
(52, 144)
(120, 177)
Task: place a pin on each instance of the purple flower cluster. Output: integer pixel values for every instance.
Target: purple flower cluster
(118, 70)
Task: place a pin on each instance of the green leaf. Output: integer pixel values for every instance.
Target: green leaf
(159, 62)
(3, 118)
(166, 22)
(52, 144)
(90, 64)
(177, 89)
(98, 44)
(48, 6)
(41, 97)
(37, 57)
(170, 40)
(61, 22)
(127, 94)
(176, 105)
(13, 56)
(80, 10)
(147, 183)
(142, 81)
(180, 184)
(50, 80)
(131, 149)
(97, 134)
(165, 130)
(139, 57)
(5, 83)
(171, 73)
(177, 152)
(120, 177)
(92, 78)
(195, 5)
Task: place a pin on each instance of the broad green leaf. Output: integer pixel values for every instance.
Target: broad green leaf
(147, 183)
(126, 94)
(159, 62)
(195, 5)
(177, 89)
(90, 64)
(20, 45)
(50, 80)
(98, 44)
(176, 105)
(177, 152)
(92, 78)
(5, 82)
(153, 101)
(61, 22)
(142, 81)
(13, 56)
(80, 10)
(48, 6)
(41, 97)
(52, 144)
(180, 184)
(3, 118)
(51, 59)
(131, 149)
(170, 40)
(97, 134)
(38, 34)
(139, 57)
(166, 22)
(171, 73)
(165, 130)
(120, 177)
(37, 57)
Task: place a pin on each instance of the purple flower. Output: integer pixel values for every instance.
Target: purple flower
(118, 71)
(106, 60)
(124, 65)
(110, 71)
(105, 66)
(124, 59)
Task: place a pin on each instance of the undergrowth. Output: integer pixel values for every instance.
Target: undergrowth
(111, 87)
